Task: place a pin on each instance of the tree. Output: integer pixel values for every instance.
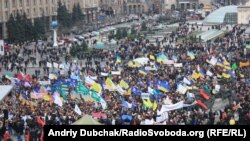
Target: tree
(133, 31)
(63, 16)
(74, 14)
(79, 49)
(201, 6)
(11, 28)
(124, 33)
(79, 11)
(172, 7)
(119, 34)
(20, 23)
(144, 26)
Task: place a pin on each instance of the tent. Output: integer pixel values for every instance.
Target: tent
(4, 91)
(86, 120)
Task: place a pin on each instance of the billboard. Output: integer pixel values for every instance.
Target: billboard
(1, 47)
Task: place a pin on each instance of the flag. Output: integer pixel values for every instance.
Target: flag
(97, 87)
(118, 59)
(227, 76)
(234, 66)
(164, 86)
(77, 110)
(181, 89)
(46, 97)
(95, 96)
(130, 64)
(209, 73)
(143, 71)
(110, 85)
(191, 55)
(186, 81)
(124, 84)
(204, 95)
(40, 122)
(244, 64)
(200, 103)
(27, 84)
(81, 89)
(57, 100)
(103, 103)
(152, 57)
(161, 58)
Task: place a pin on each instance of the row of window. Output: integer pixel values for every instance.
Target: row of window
(28, 12)
(21, 3)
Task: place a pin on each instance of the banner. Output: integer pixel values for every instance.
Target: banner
(116, 73)
(44, 82)
(49, 65)
(180, 105)
(145, 96)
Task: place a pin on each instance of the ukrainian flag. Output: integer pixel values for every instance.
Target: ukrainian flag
(118, 59)
(175, 58)
(191, 55)
(161, 58)
(227, 76)
(124, 84)
(164, 86)
(202, 74)
(97, 88)
(143, 71)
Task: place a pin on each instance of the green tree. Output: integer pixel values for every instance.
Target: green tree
(133, 31)
(124, 33)
(144, 26)
(118, 34)
(20, 23)
(28, 28)
(79, 11)
(79, 49)
(63, 16)
(11, 28)
(74, 14)
(172, 7)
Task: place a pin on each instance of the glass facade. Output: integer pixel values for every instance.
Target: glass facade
(227, 14)
(231, 18)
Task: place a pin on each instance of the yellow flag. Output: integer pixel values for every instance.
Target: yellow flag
(226, 75)
(124, 84)
(155, 106)
(97, 87)
(46, 97)
(151, 57)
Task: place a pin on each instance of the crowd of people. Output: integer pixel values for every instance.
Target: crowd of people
(168, 72)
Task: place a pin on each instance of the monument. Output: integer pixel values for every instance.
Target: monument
(54, 26)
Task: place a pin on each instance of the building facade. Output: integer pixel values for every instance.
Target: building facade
(187, 4)
(169, 4)
(135, 6)
(244, 14)
(38, 8)
(111, 7)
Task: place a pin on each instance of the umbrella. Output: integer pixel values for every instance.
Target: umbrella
(86, 120)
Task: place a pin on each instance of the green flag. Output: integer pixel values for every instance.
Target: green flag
(81, 89)
(95, 96)
(234, 66)
(206, 89)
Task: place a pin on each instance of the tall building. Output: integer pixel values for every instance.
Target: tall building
(111, 7)
(244, 13)
(169, 4)
(187, 4)
(136, 6)
(37, 8)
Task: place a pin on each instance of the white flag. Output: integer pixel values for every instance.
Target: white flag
(209, 73)
(58, 101)
(77, 110)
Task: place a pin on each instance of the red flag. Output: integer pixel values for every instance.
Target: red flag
(39, 121)
(200, 103)
(27, 78)
(204, 94)
(19, 76)
(42, 136)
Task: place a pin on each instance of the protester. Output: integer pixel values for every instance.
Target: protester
(117, 90)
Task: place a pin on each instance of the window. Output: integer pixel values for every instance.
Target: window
(27, 2)
(6, 15)
(34, 12)
(28, 12)
(6, 3)
(21, 3)
(34, 2)
(13, 3)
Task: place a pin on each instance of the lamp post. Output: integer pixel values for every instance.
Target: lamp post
(54, 26)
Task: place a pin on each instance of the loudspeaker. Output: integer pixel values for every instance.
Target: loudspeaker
(6, 114)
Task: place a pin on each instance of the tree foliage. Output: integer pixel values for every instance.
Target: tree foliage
(21, 29)
(63, 16)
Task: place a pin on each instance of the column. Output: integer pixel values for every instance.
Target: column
(4, 30)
